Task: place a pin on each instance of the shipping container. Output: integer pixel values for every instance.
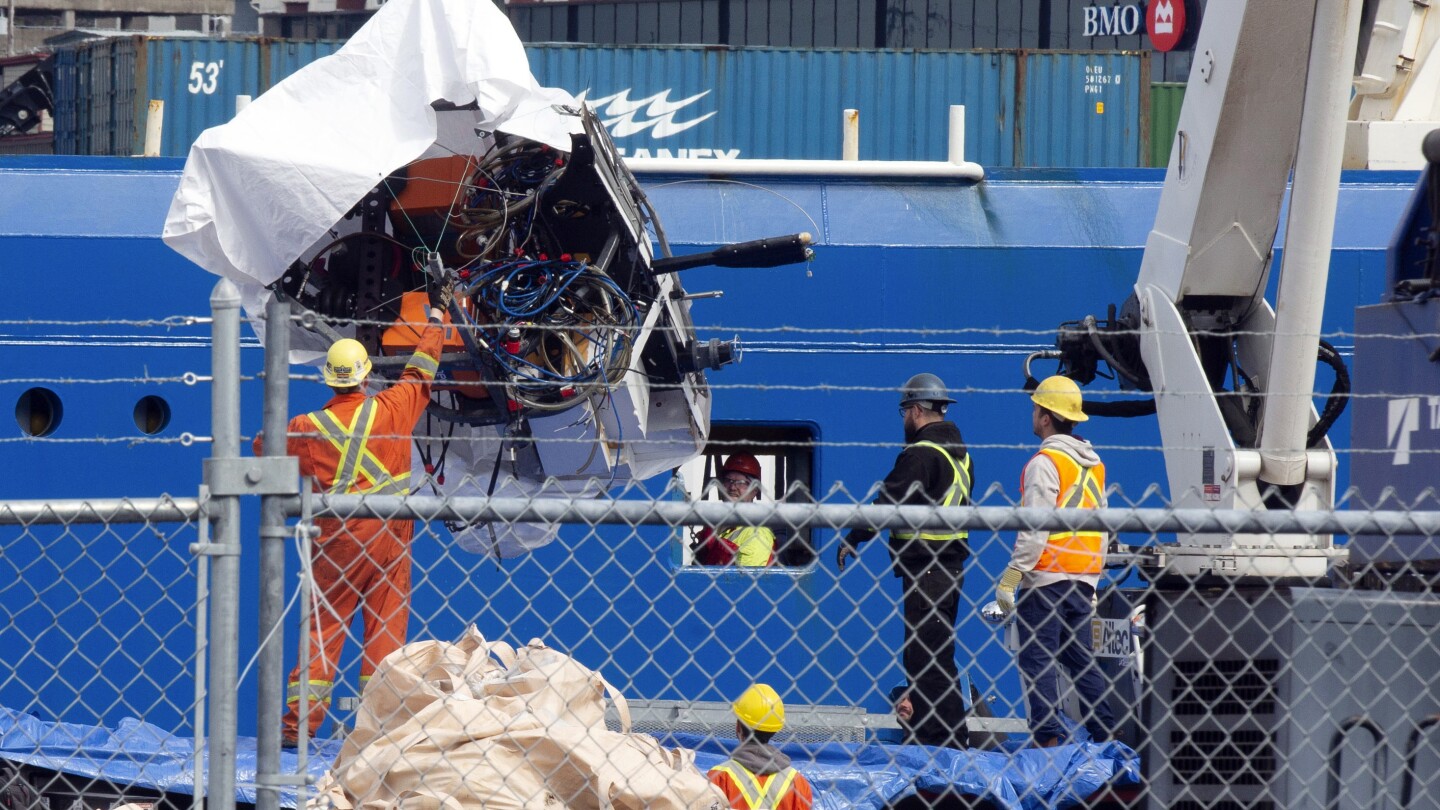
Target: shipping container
(1079, 108)
(103, 88)
(783, 103)
(286, 56)
(1165, 101)
(198, 79)
(41, 143)
(1083, 109)
(952, 25)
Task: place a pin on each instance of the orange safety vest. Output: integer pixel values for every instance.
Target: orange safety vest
(1071, 552)
(358, 468)
(786, 790)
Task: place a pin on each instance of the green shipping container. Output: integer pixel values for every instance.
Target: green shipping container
(1165, 100)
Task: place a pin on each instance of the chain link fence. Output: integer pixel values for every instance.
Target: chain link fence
(123, 660)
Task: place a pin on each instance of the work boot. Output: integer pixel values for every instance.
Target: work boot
(289, 739)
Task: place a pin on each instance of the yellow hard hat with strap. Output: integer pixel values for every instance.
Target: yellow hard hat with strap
(760, 708)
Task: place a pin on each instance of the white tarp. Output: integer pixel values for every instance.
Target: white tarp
(259, 192)
(261, 189)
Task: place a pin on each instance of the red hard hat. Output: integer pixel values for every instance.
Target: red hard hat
(743, 463)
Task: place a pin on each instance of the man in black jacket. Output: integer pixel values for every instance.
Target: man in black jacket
(933, 469)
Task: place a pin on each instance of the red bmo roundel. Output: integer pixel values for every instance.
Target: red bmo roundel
(1165, 20)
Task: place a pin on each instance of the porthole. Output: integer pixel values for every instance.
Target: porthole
(152, 414)
(38, 412)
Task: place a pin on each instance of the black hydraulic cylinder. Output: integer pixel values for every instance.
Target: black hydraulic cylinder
(773, 251)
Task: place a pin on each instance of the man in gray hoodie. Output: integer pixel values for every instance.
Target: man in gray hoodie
(1060, 570)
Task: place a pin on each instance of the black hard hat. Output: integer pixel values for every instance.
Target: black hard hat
(925, 388)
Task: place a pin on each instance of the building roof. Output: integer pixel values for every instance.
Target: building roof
(77, 35)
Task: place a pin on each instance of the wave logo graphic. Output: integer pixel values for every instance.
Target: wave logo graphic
(625, 116)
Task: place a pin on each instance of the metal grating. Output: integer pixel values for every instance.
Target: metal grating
(1224, 804)
(1225, 687)
(1222, 757)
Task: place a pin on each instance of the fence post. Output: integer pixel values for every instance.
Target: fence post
(271, 675)
(225, 571)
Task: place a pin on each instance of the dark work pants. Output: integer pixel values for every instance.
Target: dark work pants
(931, 601)
(1054, 625)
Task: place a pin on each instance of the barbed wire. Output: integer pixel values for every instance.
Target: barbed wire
(190, 379)
(169, 321)
(732, 445)
(1049, 332)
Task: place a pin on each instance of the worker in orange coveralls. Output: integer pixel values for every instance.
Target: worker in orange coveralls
(757, 776)
(360, 444)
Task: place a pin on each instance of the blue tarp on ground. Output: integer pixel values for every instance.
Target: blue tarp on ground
(845, 776)
(137, 754)
(849, 775)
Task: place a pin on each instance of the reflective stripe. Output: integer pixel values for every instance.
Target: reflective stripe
(354, 445)
(758, 793)
(319, 690)
(348, 439)
(356, 456)
(424, 363)
(957, 493)
(1071, 552)
(381, 481)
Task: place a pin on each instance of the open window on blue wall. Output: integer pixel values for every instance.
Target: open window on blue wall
(787, 458)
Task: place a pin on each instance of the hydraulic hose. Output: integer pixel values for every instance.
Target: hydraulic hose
(1337, 400)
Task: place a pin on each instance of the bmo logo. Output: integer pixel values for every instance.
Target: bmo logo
(1163, 20)
(1112, 21)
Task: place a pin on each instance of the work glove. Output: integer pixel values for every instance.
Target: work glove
(1005, 590)
(441, 295)
(845, 552)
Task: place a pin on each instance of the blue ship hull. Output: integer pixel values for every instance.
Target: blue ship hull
(960, 280)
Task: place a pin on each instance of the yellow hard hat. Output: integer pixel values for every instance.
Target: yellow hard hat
(760, 708)
(1060, 395)
(346, 364)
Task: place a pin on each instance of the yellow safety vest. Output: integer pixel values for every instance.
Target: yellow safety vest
(758, 793)
(957, 493)
(358, 470)
(1069, 552)
(754, 545)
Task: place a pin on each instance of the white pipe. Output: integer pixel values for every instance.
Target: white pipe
(154, 125)
(241, 102)
(957, 133)
(822, 168)
(850, 148)
(1309, 232)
